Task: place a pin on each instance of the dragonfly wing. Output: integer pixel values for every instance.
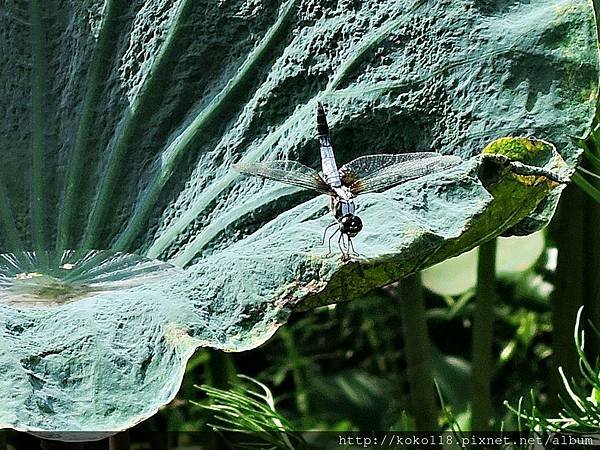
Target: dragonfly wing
(290, 172)
(365, 166)
(373, 173)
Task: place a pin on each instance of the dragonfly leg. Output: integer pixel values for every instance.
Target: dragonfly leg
(329, 243)
(351, 247)
(325, 232)
(340, 242)
(345, 246)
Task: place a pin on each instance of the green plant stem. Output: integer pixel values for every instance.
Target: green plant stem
(569, 293)
(591, 223)
(418, 352)
(220, 370)
(483, 333)
(298, 373)
(119, 441)
(591, 274)
(220, 373)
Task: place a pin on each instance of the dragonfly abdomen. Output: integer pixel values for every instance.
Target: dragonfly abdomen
(330, 170)
(322, 127)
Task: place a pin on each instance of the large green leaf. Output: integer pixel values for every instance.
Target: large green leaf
(120, 123)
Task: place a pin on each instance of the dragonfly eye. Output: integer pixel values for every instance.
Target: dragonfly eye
(351, 225)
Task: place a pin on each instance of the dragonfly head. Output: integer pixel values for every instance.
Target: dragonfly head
(350, 225)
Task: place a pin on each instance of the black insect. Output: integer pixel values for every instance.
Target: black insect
(370, 173)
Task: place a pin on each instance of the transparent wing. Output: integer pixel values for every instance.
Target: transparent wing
(365, 166)
(373, 173)
(290, 172)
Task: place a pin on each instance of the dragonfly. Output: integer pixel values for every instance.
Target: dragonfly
(366, 174)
